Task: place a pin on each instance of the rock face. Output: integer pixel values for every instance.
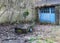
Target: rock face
(12, 10)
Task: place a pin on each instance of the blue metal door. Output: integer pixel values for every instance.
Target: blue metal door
(47, 15)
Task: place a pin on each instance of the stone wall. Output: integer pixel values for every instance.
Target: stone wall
(12, 10)
(57, 11)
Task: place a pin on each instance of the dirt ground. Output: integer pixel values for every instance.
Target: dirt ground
(40, 34)
(49, 31)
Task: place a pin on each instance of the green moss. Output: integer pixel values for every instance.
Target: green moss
(19, 31)
(39, 41)
(49, 41)
(26, 13)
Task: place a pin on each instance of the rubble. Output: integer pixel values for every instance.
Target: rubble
(40, 34)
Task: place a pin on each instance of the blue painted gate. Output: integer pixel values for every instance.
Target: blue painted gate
(47, 15)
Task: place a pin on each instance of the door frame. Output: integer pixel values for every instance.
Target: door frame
(56, 13)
